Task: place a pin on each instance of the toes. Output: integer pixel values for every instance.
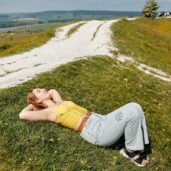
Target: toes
(147, 159)
(144, 162)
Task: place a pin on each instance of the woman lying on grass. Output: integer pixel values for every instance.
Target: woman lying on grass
(100, 130)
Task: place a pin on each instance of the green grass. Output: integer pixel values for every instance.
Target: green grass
(149, 41)
(27, 38)
(95, 33)
(100, 84)
(74, 29)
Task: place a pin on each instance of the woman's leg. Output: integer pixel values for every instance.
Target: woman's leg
(104, 130)
(136, 130)
(128, 119)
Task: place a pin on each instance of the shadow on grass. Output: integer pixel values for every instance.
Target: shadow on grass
(118, 145)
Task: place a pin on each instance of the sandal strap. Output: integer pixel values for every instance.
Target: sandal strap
(144, 155)
(131, 154)
(139, 160)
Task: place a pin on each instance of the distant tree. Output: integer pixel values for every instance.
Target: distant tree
(150, 9)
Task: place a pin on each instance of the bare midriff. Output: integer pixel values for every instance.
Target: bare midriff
(80, 121)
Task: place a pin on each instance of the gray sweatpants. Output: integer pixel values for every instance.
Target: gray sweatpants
(104, 130)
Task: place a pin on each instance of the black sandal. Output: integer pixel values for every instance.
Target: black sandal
(144, 155)
(132, 155)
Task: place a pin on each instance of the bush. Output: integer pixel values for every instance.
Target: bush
(4, 46)
(150, 9)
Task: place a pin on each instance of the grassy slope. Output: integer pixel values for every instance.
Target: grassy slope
(149, 41)
(99, 84)
(26, 39)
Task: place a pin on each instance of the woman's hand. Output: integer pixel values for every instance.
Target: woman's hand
(30, 107)
(55, 96)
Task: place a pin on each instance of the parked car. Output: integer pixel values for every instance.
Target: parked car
(163, 14)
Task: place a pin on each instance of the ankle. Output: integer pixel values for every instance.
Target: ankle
(134, 150)
(129, 150)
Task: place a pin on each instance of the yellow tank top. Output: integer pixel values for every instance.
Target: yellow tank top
(68, 114)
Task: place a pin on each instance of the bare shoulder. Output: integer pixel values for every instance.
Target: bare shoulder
(51, 113)
(50, 109)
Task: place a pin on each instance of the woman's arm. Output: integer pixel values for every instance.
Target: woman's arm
(28, 114)
(55, 96)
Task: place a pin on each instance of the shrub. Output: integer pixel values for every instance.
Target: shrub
(150, 9)
(4, 46)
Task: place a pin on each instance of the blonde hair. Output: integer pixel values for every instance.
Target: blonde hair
(32, 99)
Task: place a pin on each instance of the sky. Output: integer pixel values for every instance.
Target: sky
(8, 6)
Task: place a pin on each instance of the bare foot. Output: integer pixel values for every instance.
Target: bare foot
(134, 156)
(142, 153)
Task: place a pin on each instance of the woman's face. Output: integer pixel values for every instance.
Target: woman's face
(41, 94)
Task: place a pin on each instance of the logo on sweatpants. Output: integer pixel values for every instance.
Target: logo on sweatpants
(118, 116)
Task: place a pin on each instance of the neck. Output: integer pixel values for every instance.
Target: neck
(49, 103)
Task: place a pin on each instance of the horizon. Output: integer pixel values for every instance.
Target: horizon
(66, 11)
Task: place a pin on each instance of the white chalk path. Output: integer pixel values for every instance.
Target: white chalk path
(60, 49)
(145, 68)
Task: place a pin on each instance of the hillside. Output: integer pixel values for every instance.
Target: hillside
(100, 83)
(18, 19)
